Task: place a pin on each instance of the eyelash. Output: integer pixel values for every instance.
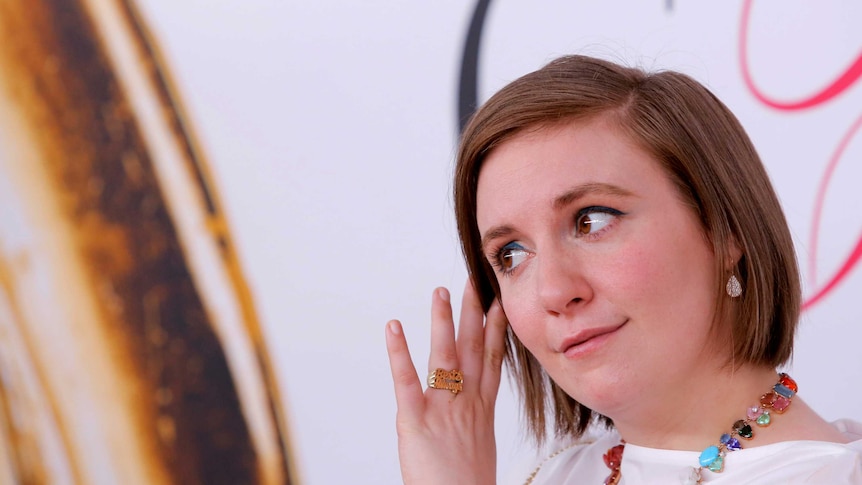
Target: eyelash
(497, 259)
(498, 253)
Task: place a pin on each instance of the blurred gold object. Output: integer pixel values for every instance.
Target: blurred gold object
(130, 349)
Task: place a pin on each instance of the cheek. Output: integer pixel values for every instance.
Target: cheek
(671, 281)
(628, 268)
(637, 273)
(523, 317)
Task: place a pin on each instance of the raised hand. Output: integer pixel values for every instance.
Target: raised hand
(446, 437)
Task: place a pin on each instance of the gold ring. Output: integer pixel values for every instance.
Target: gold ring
(450, 380)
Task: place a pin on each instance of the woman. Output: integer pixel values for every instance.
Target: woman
(629, 257)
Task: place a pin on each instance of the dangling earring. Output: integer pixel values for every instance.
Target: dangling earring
(733, 288)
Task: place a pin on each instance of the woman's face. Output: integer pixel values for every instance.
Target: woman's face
(605, 274)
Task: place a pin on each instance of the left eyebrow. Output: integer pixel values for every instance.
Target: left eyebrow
(564, 200)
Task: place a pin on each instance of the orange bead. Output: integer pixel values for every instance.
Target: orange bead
(788, 382)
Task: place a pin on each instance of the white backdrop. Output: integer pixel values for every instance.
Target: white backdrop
(331, 128)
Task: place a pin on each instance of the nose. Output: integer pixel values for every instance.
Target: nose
(562, 285)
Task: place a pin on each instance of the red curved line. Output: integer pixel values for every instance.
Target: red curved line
(843, 82)
(842, 273)
(821, 196)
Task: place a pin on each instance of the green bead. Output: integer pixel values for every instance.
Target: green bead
(763, 420)
(717, 465)
(746, 432)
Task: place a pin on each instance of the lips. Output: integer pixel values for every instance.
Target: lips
(587, 338)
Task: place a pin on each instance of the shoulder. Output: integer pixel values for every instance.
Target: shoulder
(803, 462)
(852, 430)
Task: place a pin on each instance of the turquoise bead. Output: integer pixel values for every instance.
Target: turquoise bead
(708, 456)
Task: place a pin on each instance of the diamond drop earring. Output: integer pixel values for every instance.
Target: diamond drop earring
(734, 288)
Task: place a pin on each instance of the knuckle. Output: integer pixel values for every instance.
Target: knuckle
(448, 355)
(476, 347)
(495, 358)
(404, 378)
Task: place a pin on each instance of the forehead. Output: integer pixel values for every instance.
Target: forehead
(536, 167)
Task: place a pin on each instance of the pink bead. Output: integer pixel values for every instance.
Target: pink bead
(780, 404)
(754, 412)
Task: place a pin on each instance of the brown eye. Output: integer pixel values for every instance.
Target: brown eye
(510, 257)
(507, 263)
(593, 220)
(584, 224)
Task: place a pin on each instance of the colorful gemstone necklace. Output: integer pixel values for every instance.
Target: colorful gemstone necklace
(712, 458)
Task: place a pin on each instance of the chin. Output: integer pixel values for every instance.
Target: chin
(602, 394)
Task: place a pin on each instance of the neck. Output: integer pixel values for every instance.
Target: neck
(694, 415)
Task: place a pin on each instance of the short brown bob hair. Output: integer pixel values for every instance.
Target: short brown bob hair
(706, 153)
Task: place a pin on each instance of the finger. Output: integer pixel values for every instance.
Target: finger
(496, 324)
(443, 352)
(471, 334)
(408, 388)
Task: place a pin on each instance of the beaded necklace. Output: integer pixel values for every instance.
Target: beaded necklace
(712, 458)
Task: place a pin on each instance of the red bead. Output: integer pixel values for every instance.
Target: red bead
(767, 399)
(614, 457)
(788, 382)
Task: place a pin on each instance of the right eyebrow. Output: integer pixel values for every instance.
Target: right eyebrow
(495, 233)
(572, 195)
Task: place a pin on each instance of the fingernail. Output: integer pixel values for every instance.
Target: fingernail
(443, 293)
(394, 327)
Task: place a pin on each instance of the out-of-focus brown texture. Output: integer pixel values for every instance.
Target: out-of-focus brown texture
(181, 398)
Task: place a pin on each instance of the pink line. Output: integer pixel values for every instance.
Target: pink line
(821, 196)
(842, 273)
(839, 85)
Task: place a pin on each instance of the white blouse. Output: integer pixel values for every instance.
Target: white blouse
(785, 463)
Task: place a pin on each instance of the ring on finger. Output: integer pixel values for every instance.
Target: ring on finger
(449, 380)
